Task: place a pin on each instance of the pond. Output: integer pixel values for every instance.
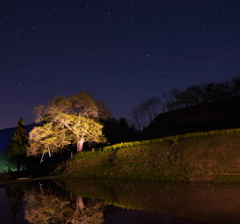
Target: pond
(118, 201)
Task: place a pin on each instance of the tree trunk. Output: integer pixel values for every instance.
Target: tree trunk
(18, 164)
(80, 204)
(49, 153)
(80, 144)
(42, 158)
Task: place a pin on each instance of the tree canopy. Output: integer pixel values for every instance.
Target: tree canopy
(47, 138)
(76, 119)
(18, 145)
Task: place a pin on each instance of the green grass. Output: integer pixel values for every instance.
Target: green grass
(196, 156)
(172, 139)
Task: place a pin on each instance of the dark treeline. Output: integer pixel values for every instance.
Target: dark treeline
(117, 131)
(176, 99)
(145, 112)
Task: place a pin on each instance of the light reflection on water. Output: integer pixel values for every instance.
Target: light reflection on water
(118, 201)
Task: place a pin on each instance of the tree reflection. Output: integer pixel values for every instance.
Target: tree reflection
(46, 206)
(90, 212)
(15, 194)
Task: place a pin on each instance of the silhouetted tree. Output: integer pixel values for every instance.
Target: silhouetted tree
(123, 129)
(199, 94)
(236, 86)
(136, 117)
(117, 131)
(18, 144)
(145, 112)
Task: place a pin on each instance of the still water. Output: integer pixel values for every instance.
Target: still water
(118, 201)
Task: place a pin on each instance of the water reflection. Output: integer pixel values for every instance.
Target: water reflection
(119, 201)
(48, 206)
(211, 203)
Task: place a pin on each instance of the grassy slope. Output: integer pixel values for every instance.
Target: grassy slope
(208, 156)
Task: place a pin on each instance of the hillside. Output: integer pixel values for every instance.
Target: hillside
(199, 156)
(205, 117)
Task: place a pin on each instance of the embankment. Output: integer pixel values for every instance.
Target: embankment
(209, 156)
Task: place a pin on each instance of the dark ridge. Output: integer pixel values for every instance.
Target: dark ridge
(218, 115)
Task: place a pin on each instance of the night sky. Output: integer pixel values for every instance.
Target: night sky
(122, 52)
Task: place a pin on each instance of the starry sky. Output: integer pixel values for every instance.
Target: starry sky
(121, 51)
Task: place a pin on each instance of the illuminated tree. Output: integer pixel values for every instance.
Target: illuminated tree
(78, 117)
(47, 138)
(84, 105)
(82, 128)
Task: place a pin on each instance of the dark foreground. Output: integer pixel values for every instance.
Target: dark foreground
(118, 201)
